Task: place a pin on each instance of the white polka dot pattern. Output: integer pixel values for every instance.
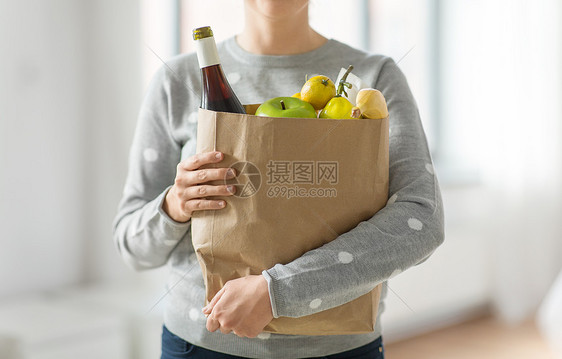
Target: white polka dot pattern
(315, 303)
(392, 199)
(345, 257)
(193, 117)
(429, 168)
(415, 224)
(264, 335)
(150, 155)
(194, 314)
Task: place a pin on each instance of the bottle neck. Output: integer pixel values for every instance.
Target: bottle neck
(207, 53)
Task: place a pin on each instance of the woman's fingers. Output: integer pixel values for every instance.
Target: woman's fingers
(242, 306)
(203, 191)
(224, 330)
(191, 193)
(194, 197)
(203, 205)
(191, 173)
(209, 174)
(209, 307)
(190, 178)
(200, 159)
(212, 324)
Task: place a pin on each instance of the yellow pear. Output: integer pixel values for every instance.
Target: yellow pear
(371, 104)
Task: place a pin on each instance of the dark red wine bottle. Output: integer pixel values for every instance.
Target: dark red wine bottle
(216, 93)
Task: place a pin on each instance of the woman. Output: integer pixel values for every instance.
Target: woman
(270, 58)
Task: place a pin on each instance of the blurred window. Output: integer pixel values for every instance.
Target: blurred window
(409, 31)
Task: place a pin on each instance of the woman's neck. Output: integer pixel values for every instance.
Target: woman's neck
(269, 36)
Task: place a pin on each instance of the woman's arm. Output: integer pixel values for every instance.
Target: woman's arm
(143, 232)
(402, 234)
(399, 236)
(161, 193)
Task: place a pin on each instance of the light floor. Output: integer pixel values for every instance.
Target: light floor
(484, 338)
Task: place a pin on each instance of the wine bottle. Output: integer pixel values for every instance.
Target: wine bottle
(216, 93)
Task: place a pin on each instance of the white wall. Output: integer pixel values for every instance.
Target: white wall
(502, 117)
(42, 111)
(70, 90)
(455, 283)
(114, 91)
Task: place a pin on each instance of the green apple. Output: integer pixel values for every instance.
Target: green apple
(286, 107)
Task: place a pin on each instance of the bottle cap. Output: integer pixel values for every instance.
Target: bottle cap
(202, 32)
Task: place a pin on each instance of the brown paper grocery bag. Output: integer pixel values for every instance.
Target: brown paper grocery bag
(301, 183)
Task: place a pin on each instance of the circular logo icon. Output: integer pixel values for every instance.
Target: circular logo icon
(247, 180)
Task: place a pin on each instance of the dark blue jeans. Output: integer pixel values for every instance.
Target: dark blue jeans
(174, 347)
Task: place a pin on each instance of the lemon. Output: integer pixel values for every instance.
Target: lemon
(337, 108)
(318, 91)
(297, 95)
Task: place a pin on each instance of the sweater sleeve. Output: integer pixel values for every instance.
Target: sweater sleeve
(402, 234)
(143, 233)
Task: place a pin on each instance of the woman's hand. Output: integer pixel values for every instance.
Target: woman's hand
(189, 192)
(242, 306)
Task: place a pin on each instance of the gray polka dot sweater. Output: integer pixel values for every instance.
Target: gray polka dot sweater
(401, 235)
